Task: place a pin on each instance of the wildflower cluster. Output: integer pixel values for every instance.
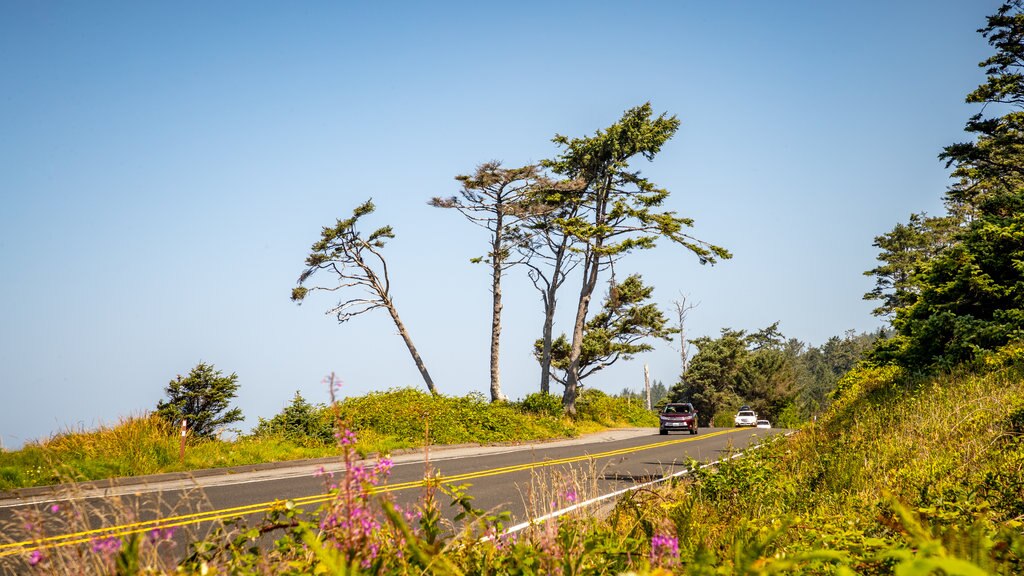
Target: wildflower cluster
(664, 551)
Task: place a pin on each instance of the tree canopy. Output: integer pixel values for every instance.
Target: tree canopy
(616, 210)
(968, 297)
(622, 329)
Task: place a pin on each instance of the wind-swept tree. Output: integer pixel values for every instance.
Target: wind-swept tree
(356, 263)
(620, 331)
(202, 398)
(618, 210)
(498, 200)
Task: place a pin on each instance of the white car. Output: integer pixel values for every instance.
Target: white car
(764, 424)
(746, 418)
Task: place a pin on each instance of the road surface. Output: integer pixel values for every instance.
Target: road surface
(528, 481)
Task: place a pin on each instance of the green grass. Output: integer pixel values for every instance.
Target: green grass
(905, 475)
(921, 473)
(383, 422)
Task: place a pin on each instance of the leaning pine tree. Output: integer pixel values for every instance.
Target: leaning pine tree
(356, 262)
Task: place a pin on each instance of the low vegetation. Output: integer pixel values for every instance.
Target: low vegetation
(903, 474)
(384, 421)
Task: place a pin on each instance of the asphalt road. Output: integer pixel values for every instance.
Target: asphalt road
(527, 481)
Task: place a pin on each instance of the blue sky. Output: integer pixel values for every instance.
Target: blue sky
(164, 169)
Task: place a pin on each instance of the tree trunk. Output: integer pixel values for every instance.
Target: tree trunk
(550, 301)
(572, 372)
(591, 267)
(412, 349)
(647, 386)
(496, 395)
(545, 359)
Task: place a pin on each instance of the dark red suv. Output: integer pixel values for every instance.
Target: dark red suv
(678, 416)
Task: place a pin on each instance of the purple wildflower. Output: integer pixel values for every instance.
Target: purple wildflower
(159, 535)
(664, 550)
(106, 546)
(383, 467)
(54, 509)
(570, 495)
(346, 437)
(35, 558)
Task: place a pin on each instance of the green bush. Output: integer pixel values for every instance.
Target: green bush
(543, 404)
(300, 422)
(404, 415)
(596, 406)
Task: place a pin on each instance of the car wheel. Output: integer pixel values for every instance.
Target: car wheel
(663, 432)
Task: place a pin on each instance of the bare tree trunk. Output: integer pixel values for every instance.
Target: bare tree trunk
(573, 371)
(496, 395)
(550, 301)
(682, 308)
(412, 349)
(647, 386)
(549, 326)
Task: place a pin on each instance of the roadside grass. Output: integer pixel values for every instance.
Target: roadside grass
(905, 474)
(384, 422)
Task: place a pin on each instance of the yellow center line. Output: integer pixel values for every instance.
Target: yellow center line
(87, 536)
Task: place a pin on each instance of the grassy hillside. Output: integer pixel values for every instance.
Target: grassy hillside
(920, 473)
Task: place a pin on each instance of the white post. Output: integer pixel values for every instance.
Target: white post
(184, 431)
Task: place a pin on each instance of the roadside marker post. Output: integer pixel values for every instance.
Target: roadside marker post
(184, 431)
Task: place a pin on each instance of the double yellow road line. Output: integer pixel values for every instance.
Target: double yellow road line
(87, 536)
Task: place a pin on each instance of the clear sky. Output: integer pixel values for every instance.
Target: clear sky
(164, 168)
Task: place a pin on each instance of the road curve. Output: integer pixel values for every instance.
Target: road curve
(528, 481)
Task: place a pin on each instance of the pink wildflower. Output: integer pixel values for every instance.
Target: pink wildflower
(664, 550)
(35, 558)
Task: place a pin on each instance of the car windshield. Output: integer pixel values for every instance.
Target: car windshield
(677, 409)
(745, 414)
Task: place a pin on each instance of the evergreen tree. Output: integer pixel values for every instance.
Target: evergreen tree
(617, 210)
(971, 295)
(619, 331)
(300, 422)
(357, 262)
(499, 200)
(201, 398)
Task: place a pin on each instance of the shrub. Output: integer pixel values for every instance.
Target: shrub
(543, 404)
(299, 422)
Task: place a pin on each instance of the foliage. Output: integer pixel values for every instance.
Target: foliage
(357, 262)
(202, 398)
(881, 484)
(385, 421)
(903, 253)
(543, 404)
(969, 297)
(902, 474)
(596, 406)
(617, 209)
(782, 380)
(627, 318)
(300, 422)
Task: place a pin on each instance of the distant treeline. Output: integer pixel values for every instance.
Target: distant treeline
(782, 379)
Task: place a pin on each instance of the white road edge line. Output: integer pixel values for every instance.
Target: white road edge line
(542, 519)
